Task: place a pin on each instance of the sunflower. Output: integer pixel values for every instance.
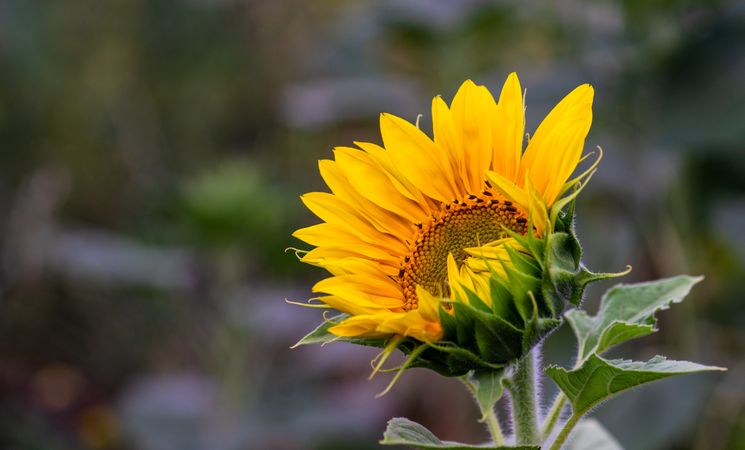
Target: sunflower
(419, 220)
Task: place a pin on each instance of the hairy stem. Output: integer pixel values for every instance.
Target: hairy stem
(523, 393)
(564, 434)
(494, 429)
(553, 414)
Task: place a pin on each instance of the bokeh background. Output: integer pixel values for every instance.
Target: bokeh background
(151, 157)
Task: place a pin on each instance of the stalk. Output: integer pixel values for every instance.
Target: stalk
(524, 408)
(494, 429)
(564, 434)
(553, 414)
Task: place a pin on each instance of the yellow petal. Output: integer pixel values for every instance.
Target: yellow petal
(383, 159)
(382, 219)
(472, 110)
(419, 159)
(374, 184)
(411, 324)
(327, 255)
(357, 292)
(508, 188)
(375, 286)
(355, 265)
(352, 305)
(480, 283)
(508, 129)
(325, 234)
(358, 326)
(449, 140)
(332, 209)
(555, 149)
(456, 288)
(491, 257)
(464, 283)
(537, 209)
(428, 305)
(389, 323)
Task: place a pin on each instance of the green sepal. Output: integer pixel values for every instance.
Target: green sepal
(448, 323)
(567, 274)
(489, 339)
(521, 286)
(448, 359)
(402, 431)
(321, 335)
(465, 325)
(523, 263)
(498, 341)
(501, 301)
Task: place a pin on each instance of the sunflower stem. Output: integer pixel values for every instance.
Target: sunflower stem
(553, 414)
(494, 429)
(524, 409)
(564, 434)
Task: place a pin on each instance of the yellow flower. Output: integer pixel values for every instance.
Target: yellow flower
(421, 219)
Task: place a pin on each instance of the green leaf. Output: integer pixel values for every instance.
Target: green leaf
(627, 312)
(599, 379)
(486, 386)
(322, 336)
(591, 435)
(402, 431)
(620, 332)
(496, 340)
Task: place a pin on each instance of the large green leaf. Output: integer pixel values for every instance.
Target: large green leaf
(589, 434)
(627, 312)
(599, 379)
(402, 431)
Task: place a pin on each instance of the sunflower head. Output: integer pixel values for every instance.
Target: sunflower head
(457, 249)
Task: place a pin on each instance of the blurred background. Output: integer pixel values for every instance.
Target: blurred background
(151, 157)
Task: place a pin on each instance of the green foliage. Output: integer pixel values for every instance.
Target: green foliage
(487, 388)
(234, 209)
(234, 203)
(626, 312)
(321, 335)
(599, 379)
(402, 431)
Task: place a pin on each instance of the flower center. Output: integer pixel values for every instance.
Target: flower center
(469, 223)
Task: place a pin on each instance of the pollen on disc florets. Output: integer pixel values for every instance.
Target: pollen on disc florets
(470, 222)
